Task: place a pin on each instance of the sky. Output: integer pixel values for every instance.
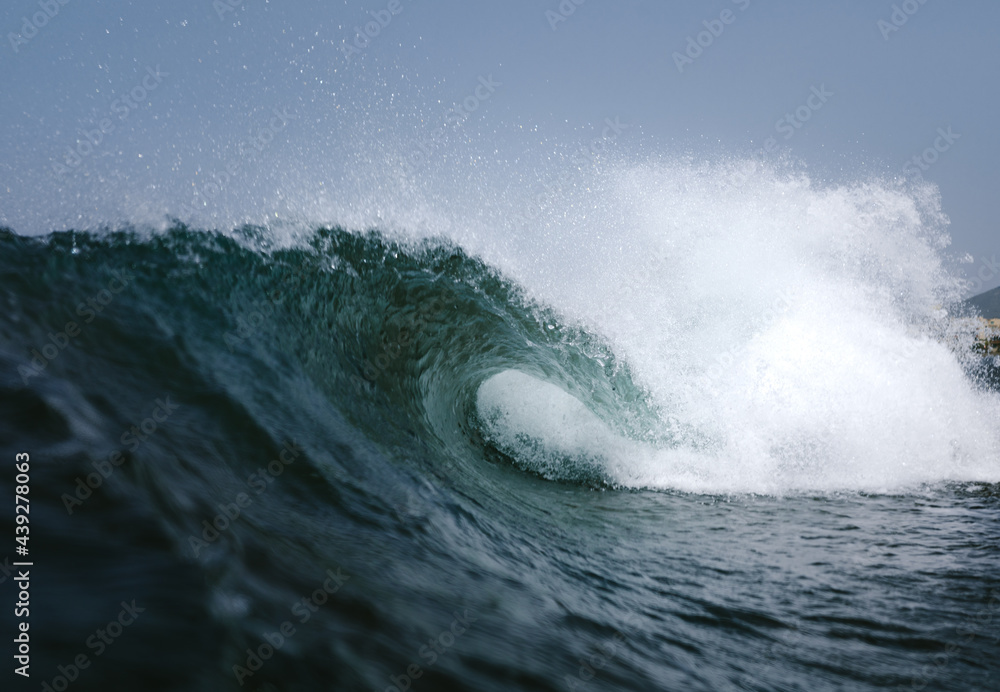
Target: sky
(126, 111)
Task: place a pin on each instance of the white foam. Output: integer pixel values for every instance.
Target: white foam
(789, 329)
(794, 331)
(546, 430)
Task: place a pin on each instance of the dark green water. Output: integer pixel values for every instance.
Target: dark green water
(319, 406)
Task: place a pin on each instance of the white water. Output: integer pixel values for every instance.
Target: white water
(790, 331)
(794, 334)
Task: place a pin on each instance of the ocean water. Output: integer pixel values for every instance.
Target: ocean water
(691, 427)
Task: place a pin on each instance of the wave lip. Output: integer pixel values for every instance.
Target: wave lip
(709, 328)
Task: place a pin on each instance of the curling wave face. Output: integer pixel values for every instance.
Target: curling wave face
(804, 348)
(432, 426)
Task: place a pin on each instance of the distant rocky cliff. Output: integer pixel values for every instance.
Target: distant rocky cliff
(988, 304)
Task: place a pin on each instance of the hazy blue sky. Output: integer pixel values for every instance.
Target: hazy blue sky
(226, 67)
